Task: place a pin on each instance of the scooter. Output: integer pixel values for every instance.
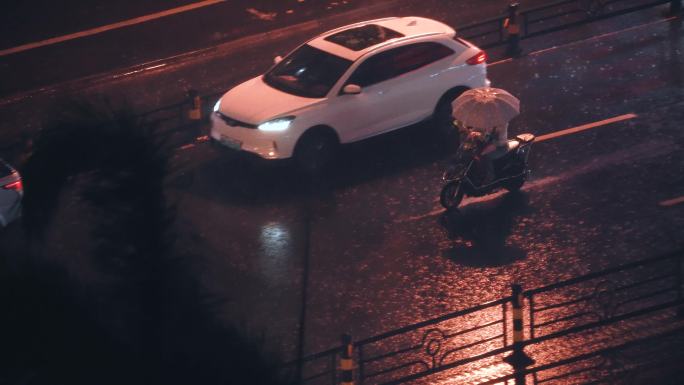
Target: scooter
(511, 170)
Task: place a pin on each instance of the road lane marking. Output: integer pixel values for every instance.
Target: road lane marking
(510, 59)
(139, 70)
(432, 213)
(584, 127)
(672, 202)
(109, 27)
(199, 139)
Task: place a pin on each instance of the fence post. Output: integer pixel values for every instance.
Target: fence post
(512, 27)
(195, 112)
(675, 7)
(360, 366)
(519, 360)
(530, 303)
(346, 361)
(679, 283)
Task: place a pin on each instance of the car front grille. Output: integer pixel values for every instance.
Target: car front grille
(234, 122)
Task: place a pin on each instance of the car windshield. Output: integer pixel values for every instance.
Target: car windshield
(307, 72)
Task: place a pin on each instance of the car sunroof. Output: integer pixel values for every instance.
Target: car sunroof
(366, 36)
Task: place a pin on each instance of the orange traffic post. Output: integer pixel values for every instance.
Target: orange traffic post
(195, 112)
(519, 360)
(346, 361)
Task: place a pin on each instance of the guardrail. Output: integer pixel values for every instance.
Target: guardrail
(554, 17)
(418, 350)
(455, 340)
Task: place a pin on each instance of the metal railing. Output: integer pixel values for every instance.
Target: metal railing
(563, 309)
(420, 349)
(604, 297)
(554, 17)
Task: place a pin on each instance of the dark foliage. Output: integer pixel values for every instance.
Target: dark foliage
(150, 323)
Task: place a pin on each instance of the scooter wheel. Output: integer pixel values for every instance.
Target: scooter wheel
(451, 195)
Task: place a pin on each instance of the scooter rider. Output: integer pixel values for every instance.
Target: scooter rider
(493, 144)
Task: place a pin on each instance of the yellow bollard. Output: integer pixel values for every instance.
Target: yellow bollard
(346, 361)
(519, 360)
(195, 112)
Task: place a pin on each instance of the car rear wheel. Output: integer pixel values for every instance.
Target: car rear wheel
(316, 150)
(442, 118)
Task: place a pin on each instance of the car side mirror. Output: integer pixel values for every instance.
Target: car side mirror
(352, 89)
(277, 59)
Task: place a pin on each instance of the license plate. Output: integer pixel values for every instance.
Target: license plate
(230, 142)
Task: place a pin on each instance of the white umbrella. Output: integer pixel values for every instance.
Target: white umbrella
(485, 107)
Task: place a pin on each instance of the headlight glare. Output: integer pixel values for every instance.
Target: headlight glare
(278, 124)
(217, 105)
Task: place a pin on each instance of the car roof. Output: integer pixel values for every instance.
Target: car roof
(410, 27)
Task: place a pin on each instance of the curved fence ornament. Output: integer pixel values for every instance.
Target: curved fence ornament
(432, 343)
(603, 302)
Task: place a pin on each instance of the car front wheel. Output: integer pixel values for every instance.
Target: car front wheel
(316, 150)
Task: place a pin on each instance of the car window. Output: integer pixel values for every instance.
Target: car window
(394, 62)
(307, 72)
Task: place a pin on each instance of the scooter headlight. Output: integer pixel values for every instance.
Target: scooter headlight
(217, 105)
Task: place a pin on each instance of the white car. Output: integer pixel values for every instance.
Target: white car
(349, 84)
(11, 192)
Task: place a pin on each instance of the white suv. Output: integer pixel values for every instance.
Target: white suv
(349, 84)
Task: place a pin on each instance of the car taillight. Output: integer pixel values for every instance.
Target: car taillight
(16, 186)
(479, 58)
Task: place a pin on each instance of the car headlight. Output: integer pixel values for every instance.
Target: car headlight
(279, 124)
(217, 105)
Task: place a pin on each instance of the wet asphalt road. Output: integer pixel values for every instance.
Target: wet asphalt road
(383, 255)
(381, 252)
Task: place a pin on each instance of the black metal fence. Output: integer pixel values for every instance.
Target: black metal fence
(420, 349)
(453, 341)
(554, 17)
(604, 297)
